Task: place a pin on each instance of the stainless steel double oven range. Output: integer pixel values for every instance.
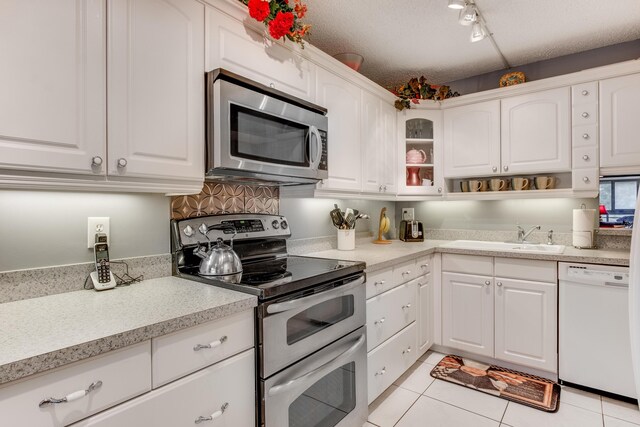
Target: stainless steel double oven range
(310, 321)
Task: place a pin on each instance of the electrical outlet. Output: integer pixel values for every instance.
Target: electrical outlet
(407, 214)
(97, 224)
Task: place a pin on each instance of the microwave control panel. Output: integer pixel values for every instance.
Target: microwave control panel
(323, 158)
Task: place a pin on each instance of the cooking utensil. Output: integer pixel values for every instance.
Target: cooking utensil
(350, 220)
(219, 261)
(337, 218)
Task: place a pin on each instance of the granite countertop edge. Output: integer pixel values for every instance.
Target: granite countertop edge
(39, 363)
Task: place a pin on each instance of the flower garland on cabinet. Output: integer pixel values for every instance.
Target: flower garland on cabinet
(280, 18)
(417, 89)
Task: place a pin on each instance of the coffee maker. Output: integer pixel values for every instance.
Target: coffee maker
(410, 229)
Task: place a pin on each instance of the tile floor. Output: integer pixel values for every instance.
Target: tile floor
(417, 399)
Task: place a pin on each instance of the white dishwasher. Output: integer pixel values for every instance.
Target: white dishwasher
(595, 348)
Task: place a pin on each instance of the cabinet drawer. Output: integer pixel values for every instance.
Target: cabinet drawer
(526, 269)
(585, 179)
(423, 265)
(201, 394)
(404, 272)
(387, 362)
(585, 157)
(585, 136)
(469, 264)
(175, 355)
(379, 282)
(586, 114)
(584, 93)
(124, 374)
(389, 312)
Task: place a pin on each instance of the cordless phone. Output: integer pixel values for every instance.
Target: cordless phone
(102, 278)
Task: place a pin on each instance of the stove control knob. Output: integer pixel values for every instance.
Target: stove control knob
(284, 225)
(275, 224)
(188, 231)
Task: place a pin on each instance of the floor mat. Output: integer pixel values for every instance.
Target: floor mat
(539, 393)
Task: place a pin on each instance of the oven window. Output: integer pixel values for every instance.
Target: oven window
(267, 138)
(328, 401)
(320, 316)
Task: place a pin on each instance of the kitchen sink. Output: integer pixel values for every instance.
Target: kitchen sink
(532, 248)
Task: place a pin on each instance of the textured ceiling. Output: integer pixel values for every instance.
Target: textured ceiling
(400, 39)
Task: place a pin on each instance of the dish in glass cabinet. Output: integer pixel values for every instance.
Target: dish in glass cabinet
(511, 79)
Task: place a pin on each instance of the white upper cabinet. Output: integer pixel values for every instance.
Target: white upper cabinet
(378, 145)
(472, 140)
(52, 111)
(249, 53)
(343, 101)
(155, 89)
(619, 124)
(536, 132)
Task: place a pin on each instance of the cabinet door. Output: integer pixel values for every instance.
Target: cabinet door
(526, 323)
(52, 110)
(387, 163)
(425, 313)
(155, 88)
(472, 140)
(536, 132)
(372, 140)
(342, 99)
(619, 125)
(238, 48)
(467, 313)
(229, 384)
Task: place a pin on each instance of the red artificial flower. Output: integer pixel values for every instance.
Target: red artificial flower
(259, 9)
(281, 25)
(300, 9)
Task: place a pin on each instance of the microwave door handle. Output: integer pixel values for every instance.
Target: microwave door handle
(310, 377)
(314, 299)
(314, 131)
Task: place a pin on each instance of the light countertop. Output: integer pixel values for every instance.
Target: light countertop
(378, 257)
(43, 333)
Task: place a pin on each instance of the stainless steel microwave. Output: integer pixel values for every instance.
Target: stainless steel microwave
(258, 134)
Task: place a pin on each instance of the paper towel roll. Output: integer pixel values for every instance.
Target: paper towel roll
(583, 239)
(584, 219)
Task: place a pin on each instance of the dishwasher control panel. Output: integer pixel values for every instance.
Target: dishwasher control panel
(582, 273)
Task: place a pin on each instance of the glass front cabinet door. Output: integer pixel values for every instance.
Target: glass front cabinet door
(420, 155)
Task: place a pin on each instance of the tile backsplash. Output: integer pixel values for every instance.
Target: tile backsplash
(219, 198)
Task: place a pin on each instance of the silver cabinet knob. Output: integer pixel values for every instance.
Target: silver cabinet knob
(499, 283)
(585, 114)
(494, 168)
(406, 306)
(379, 282)
(585, 179)
(381, 372)
(505, 168)
(384, 188)
(585, 157)
(379, 322)
(423, 266)
(405, 273)
(272, 85)
(122, 162)
(407, 350)
(585, 92)
(380, 188)
(487, 282)
(585, 136)
(439, 189)
(96, 161)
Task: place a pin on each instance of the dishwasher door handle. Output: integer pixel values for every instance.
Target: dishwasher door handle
(617, 285)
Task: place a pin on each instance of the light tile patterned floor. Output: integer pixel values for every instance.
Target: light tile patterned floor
(416, 400)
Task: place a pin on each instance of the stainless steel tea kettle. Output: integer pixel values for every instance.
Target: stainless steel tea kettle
(219, 261)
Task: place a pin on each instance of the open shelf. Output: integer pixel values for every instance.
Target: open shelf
(419, 140)
(419, 165)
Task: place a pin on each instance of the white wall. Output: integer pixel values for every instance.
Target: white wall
(556, 214)
(309, 217)
(46, 228)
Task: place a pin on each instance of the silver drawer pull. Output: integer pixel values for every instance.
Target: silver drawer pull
(586, 179)
(585, 92)
(585, 114)
(379, 322)
(487, 282)
(381, 372)
(424, 266)
(585, 157)
(404, 273)
(72, 396)
(380, 282)
(406, 306)
(408, 350)
(213, 416)
(585, 136)
(213, 344)
(499, 284)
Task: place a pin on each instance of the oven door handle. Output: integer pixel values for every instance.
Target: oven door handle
(310, 377)
(314, 131)
(314, 299)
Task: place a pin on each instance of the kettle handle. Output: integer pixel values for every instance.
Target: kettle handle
(219, 227)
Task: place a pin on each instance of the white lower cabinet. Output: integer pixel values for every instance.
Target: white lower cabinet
(116, 377)
(389, 312)
(222, 394)
(510, 315)
(425, 313)
(389, 361)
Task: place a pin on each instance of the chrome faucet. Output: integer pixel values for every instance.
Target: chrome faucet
(522, 235)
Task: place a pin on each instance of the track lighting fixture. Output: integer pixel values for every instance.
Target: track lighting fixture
(468, 15)
(478, 32)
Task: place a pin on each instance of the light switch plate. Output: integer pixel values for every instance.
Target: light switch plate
(97, 224)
